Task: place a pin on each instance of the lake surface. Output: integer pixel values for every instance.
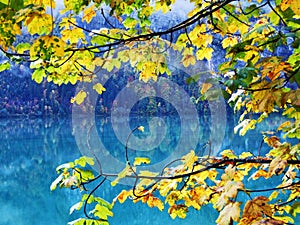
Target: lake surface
(31, 149)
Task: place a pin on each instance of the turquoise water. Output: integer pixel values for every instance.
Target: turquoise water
(31, 149)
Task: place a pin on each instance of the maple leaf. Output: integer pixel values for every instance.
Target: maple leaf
(284, 124)
(277, 165)
(272, 141)
(273, 66)
(188, 60)
(285, 4)
(245, 155)
(204, 53)
(205, 87)
(128, 170)
(39, 23)
(257, 207)
(123, 196)
(231, 188)
(141, 160)
(228, 153)
(155, 202)
(229, 41)
(99, 88)
(73, 35)
(141, 128)
(148, 72)
(179, 210)
(189, 159)
(229, 213)
(259, 173)
(144, 182)
(79, 98)
(89, 13)
(295, 6)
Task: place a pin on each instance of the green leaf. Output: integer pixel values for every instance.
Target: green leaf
(38, 75)
(193, 79)
(22, 47)
(16, 4)
(4, 66)
(99, 40)
(4, 2)
(102, 212)
(82, 161)
(101, 201)
(130, 22)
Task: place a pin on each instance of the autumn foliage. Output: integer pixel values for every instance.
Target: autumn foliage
(260, 75)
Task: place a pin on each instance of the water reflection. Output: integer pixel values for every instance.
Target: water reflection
(31, 150)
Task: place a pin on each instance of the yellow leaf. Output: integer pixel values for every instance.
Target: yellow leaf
(285, 124)
(99, 88)
(178, 210)
(141, 160)
(229, 212)
(89, 13)
(128, 170)
(245, 155)
(281, 220)
(141, 128)
(205, 87)
(189, 159)
(144, 182)
(39, 23)
(230, 41)
(72, 35)
(228, 153)
(204, 53)
(155, 202)
(148, 72)
(273, 195)
(79, 98)
(47, 47)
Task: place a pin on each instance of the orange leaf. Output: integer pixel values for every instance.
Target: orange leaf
(259, 173)
(123, 196)
(257, 207)
(155, 202)
(205, 87)
(272, 141)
